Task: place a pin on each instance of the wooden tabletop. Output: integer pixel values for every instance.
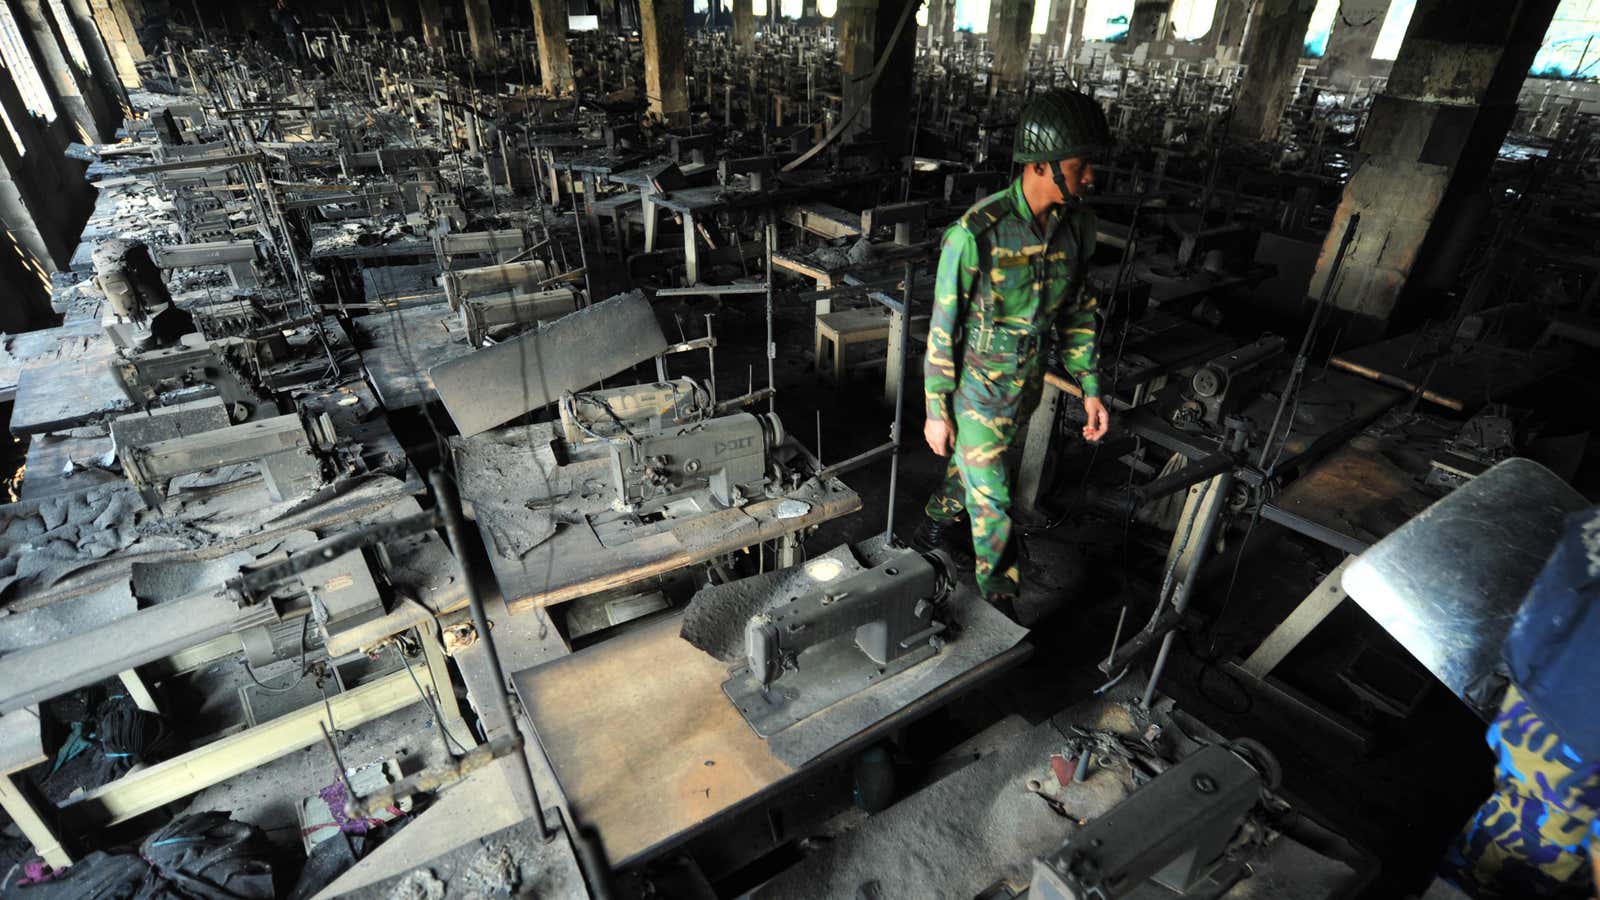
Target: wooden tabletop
(641, 738)
(399, 348)
(69, 386)
(1350, 499)
(648, 749)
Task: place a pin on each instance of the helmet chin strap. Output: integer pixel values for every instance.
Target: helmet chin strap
(1068, 199)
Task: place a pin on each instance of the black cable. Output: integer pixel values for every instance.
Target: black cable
(429, 702)
(1208, 664)
(305, 623)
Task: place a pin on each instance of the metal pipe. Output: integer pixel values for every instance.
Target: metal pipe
(444, 492)
(857, 461)
(899, 401)
(771, 233)
(1292, 385)
(1189, 475)
(1219, 489)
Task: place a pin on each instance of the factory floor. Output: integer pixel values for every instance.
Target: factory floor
(1401, 798)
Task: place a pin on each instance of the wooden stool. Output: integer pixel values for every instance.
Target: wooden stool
(842, 329)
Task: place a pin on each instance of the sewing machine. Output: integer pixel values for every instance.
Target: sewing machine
(281, 445)
(727, 454)
(600, 415)
(814, 650)
(483, 314)
(145, 376)
(1175, 831)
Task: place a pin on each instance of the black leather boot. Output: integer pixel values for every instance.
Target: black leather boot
(932, 534)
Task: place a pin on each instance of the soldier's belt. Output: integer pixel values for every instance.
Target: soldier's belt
(1003, 340)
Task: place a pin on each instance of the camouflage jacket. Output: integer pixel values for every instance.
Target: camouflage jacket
(1002, 288)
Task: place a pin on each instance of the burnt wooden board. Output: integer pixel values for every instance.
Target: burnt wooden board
(641, 738)
(647, 749)
(399, 348)
(1352, 498)
(67, 387)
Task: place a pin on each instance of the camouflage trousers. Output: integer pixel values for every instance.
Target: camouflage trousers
(1532, 837)
(978, 478)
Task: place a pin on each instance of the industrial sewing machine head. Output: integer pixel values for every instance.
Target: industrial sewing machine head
(728, 455)
(608, 413)
(145, 316)
(890, 612)
(1186, 830)
(145, 376)
(1226, 384)
(287, 450)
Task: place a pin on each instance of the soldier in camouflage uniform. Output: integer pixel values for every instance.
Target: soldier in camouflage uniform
(1011, 277)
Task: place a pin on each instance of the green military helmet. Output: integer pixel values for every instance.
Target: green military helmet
(1060, 124)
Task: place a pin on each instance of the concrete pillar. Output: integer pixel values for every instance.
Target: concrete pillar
(76, 93)
(665, 79)
(550, 30)
(101, 66)
(1057, 31)
(1148, 22)
(1228, 27)
(744, 26)
(865, 28)
(400, 15)
(1077, 10)
(1355, 32)
(117, 28)
(44, 201)
(1430, 139)
(480, 29)
(1011, 35)
(432, 16)
(1277, 39)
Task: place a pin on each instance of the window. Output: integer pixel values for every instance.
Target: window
(1041, 16)
(1106, 20)
(19, 62)
(758, 8)
(69, 35)
(1571, 45)
(1191, 19)
(1393, 32)
(16, 139)
(790, 9)
(972, 15)
(1320, 27)
(826, 8)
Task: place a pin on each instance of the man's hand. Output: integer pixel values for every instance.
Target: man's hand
(941, 437)
(1099, 420)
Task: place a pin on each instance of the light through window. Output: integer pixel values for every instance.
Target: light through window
(972, 15)
(69, 35)
(1191, 19)
(1320, 27)
(1393, 32)
(1106, 20)
(23, 71)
